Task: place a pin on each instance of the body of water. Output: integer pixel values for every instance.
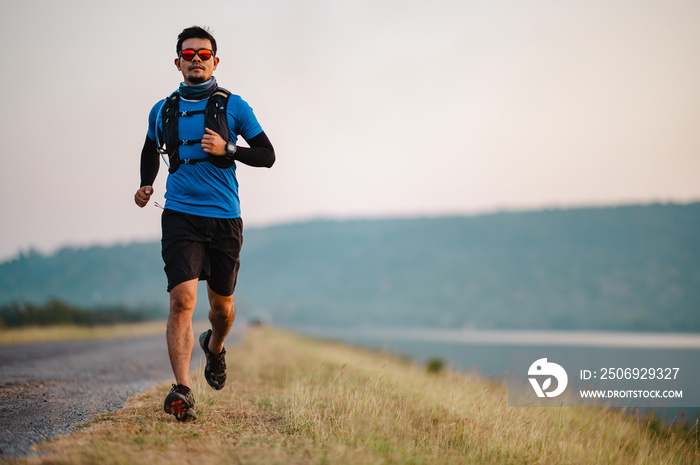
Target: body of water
(502, 354)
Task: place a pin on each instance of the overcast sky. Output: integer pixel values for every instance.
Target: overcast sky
(375, 108)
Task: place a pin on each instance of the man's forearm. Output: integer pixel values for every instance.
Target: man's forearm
(150, 162)
(261, 154)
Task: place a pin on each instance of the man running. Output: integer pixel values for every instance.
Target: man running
(199, 125)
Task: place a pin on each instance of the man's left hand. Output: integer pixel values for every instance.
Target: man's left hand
(213, 143)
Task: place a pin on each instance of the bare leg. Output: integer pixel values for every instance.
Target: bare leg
(179, 334)
(221, 313)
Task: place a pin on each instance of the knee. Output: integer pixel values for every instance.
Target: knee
(182, 302)
(223, 307)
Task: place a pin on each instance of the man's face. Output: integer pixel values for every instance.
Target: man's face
(196, 71)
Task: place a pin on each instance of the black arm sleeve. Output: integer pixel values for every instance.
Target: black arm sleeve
(150, 162)
(260, 154)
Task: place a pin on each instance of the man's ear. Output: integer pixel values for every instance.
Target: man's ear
(216, 62)
(177, 64)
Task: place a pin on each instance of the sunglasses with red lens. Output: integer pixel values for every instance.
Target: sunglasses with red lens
(204, 54)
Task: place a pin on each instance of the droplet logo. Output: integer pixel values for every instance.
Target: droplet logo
(542, 368)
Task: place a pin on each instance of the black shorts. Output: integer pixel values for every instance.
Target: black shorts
(204, 248)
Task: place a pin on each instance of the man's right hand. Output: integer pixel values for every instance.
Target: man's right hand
(143, 195)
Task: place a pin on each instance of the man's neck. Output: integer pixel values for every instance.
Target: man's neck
(191, 84)
(198, 91)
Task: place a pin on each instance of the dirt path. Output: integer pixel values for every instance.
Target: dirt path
(46, 388)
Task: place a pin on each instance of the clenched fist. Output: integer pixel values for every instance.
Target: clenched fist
(143, 195)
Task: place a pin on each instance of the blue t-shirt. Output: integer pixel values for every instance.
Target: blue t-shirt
(203, 189)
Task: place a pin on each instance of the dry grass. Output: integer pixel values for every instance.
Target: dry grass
(74, 332)
(297, 400)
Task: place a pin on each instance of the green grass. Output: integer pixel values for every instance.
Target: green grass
(294, 400)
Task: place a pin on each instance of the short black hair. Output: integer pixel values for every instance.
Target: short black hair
(195, 32)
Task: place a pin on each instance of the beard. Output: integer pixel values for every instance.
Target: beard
(197, 74)
(197, 79)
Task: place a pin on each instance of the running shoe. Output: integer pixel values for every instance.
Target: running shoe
(215, 369)
(180, 402)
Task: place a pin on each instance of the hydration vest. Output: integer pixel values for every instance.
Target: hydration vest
(214, 118)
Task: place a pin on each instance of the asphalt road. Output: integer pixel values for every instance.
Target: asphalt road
(47, 388)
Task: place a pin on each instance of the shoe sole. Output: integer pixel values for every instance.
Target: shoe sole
(181, 411)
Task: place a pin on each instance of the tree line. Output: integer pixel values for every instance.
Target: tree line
(57, 312)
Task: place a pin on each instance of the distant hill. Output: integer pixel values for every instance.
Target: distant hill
(622, 268)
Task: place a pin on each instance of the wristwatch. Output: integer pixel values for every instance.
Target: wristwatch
(230, 148)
